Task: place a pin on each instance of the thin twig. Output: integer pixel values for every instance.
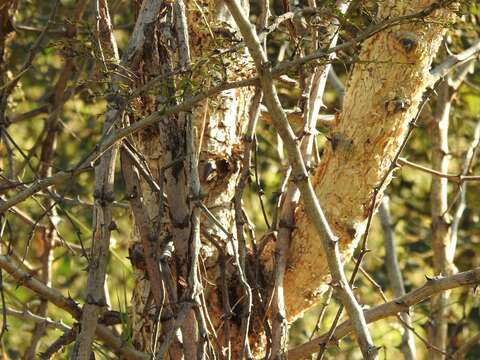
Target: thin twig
(300, 176)
(402, 304)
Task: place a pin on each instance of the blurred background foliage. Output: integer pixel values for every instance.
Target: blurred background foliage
(80, 128)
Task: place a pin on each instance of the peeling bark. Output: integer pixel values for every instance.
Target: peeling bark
(219, 122)
(382, 97)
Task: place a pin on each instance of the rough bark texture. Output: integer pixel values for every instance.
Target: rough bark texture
(220, 121)
(103, 224)
(382, 97)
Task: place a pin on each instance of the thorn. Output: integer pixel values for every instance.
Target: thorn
(335, 285)
(429, 278)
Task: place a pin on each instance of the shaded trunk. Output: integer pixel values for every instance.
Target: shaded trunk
(219, 123)
(382, 98)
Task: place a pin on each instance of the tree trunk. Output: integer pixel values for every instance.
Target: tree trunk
(220, 122)
(382, 98)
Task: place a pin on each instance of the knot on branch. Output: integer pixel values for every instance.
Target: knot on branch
(137, 256)
(408, 41)
(287, 225)
(265, 67)
(91, 301)
(396, 105)
(115, 99)
(24, 279)
(181, 223)
(340, 141)
(403, 304)
(104, 196)
(372, 351)
(112, 226)
(299, 178)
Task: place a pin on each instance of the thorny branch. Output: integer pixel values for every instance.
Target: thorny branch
(300, 176)
(107, 141)
(398, 305)
(188, 314)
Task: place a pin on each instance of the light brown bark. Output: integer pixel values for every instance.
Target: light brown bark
(440, 219)
(219, 122)
(382, 97)
(443, 243)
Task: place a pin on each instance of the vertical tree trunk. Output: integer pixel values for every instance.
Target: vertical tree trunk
(443, 242)
(382, 98)
(219, 122)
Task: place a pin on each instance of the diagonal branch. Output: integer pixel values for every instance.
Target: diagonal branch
(401, 304)
(300, 176)
(23, 278)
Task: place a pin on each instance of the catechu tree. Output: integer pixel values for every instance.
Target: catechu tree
(201, 179)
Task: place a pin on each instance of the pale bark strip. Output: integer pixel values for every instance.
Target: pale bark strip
(300, 176)
(95, 299)
(148, 237)
(24, 278)
(443, 252)
(460, 208)
(402, 304)
(395, 275)
(382, 97)
(453, 61)
(287, 220)
(440, 219)
(191, 295)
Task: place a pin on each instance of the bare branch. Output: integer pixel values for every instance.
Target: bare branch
(300, 176)
(454, 61)
(95, 298)
(402, 304)
(395, 275)
(24, 278)
(459, 179)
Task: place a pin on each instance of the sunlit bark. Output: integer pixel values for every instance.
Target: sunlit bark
(382, 97)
